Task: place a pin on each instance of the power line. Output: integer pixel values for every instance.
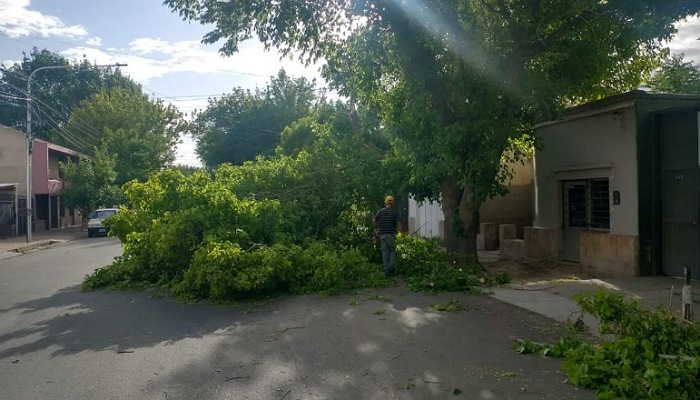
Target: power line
(85, 129)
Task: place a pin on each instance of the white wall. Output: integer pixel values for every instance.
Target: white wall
(425, 220)
(597, 146)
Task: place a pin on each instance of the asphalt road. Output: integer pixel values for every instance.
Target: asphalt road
(59, 343)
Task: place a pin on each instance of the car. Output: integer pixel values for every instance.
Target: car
(95, 226)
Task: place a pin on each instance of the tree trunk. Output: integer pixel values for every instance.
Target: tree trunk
(461, 221)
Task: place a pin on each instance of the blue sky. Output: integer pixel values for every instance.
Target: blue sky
(164, 53)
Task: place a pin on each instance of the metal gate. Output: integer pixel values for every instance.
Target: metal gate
(680, 197)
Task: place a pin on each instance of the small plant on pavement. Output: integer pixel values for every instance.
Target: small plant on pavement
(452, 305)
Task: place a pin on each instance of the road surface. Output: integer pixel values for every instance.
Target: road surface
(57, 342)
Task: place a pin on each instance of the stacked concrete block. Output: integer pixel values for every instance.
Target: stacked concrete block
(511, 246)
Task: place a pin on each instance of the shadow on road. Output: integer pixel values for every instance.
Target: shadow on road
(75, 321)
(302, 347)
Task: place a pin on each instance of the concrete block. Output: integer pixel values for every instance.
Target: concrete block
(513, 248)
(505, 232)
(480, 242)
(541, 243)
(489, 232)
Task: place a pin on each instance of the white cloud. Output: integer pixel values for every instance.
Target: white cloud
(94, 41)
(686, 41)
(185, 153)
(16, 20)
(150, 58)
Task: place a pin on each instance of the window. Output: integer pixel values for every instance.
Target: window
(587, 204)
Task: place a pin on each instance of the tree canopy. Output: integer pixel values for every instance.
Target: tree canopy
(90, 183)
(245, 124)
(56, 91)
(458, 81)
(676, 76)
(140, 132)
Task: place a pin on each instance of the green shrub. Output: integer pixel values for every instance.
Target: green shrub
(224, 271)
(423, 263)
(265, 227)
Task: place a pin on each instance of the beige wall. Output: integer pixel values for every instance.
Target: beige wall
(597, 146)
(515, 207)
(13, 158)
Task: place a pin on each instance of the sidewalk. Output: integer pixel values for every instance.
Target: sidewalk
(552, 295)
(16, 245)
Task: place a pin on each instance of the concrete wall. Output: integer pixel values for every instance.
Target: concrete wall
(13, 159)
(541, 243)
(599, 146)
(609, 255)
(516, 207)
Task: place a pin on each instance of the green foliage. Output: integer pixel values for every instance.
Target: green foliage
(630, 366)
(379, 298)
(502, 279)
(676, 76)
(90, 184)
(424, 265)
(195, 236)
(140, 132)
(451, 305)
(245, 124)
(457, 81)
(57, 93)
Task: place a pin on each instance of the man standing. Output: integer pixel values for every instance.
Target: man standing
(386, 225)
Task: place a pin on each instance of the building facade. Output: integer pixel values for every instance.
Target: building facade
(617, 185)
(48, 212)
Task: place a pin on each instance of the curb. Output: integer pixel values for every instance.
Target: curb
(35, 246)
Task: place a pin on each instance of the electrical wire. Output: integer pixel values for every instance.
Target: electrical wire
(85, 129)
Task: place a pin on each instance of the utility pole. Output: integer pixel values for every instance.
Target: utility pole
(30, 138)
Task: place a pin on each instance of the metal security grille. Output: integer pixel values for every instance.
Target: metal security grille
(586, 204)
(600, 203)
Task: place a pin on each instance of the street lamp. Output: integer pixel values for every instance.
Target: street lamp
(30, 138)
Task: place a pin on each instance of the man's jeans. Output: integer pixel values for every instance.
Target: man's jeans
(388, 243)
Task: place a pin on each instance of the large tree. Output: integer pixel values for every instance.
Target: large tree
(676, 76)
(459, 81)
(56, 91)
(141, 133)
(245, 124)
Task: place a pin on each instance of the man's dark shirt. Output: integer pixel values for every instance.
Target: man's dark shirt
(387, 219)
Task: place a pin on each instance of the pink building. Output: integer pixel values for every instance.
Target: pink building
(48, 213)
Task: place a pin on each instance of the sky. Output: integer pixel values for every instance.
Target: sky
(164, 53)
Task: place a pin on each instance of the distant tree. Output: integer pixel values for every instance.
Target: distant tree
(90, 184)
(244, 124)
(57, 91)
(186, 170)
(139, 132)
(325, 117)
(676, 76)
